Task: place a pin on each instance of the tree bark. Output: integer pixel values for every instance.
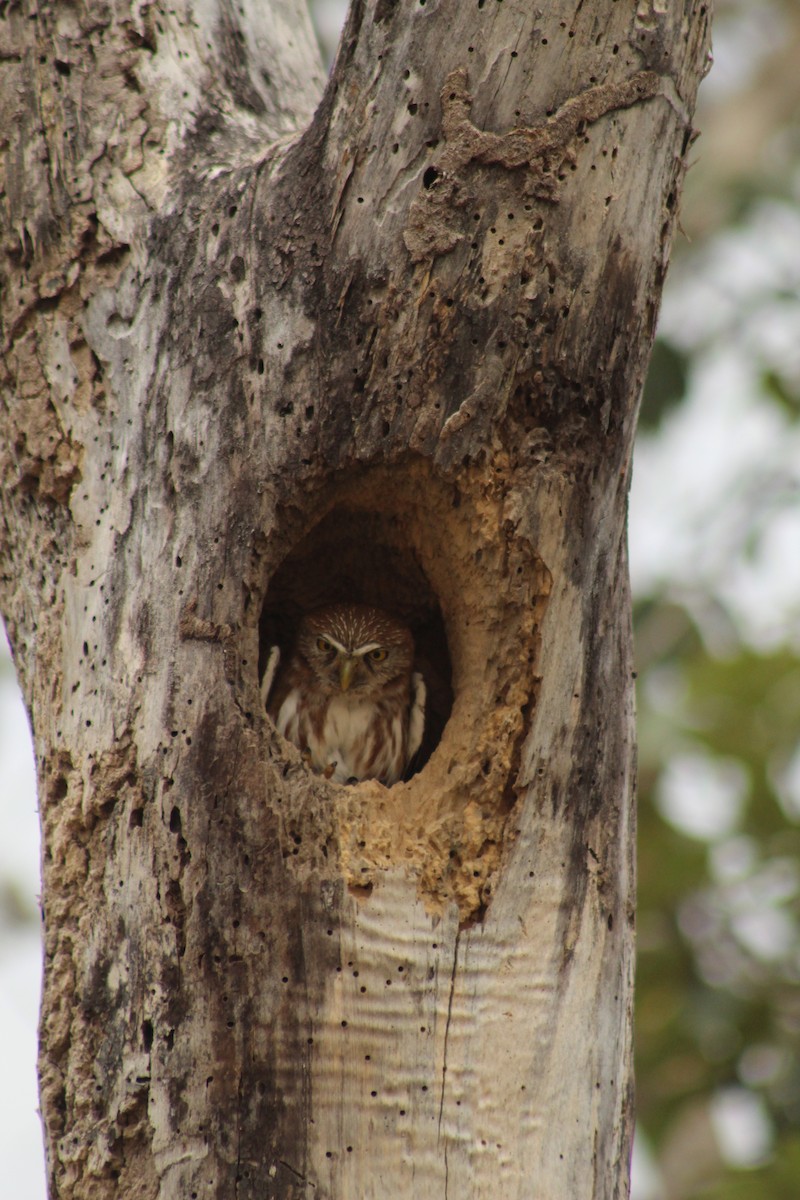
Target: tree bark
(267, 346)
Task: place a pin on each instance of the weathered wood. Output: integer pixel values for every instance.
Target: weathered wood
(262, 352)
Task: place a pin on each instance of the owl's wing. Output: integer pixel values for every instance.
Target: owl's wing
(270, 672)
(416, 720)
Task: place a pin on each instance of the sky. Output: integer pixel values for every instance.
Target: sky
(21, 1156)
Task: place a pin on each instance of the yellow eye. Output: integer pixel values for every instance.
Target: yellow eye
(323, 644)
(378, 654)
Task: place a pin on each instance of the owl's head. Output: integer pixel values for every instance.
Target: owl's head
(355, 648)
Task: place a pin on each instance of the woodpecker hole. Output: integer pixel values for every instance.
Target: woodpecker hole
(442, 556)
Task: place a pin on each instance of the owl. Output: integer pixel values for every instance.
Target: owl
(348, 696)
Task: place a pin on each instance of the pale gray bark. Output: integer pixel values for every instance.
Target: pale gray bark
(251, 364)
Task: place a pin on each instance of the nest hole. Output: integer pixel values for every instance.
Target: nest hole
(367, 557)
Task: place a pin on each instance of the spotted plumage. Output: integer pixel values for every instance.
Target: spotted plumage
(348, 695)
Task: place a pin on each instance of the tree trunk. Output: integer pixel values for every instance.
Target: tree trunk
(265, 350)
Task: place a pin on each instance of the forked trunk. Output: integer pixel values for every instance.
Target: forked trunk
(254, 364)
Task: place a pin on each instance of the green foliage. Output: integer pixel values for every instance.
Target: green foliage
(715, 998)
(779, 389)
(718, 984)
(778, 1180)
(665, 386)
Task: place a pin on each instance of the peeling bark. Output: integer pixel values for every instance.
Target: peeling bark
(265, 347)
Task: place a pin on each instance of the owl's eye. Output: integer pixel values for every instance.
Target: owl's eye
(378, 654)
(323, 644)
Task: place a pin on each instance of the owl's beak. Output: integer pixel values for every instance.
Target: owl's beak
(347, 668)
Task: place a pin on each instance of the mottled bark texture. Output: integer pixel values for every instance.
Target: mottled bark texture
(264, 347)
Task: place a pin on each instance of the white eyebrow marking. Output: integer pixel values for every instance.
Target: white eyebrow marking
(365, 649)
(336, 645)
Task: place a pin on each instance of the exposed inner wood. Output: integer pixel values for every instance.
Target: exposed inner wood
(432, 553)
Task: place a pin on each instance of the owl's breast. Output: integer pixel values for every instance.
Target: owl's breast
(346, 738)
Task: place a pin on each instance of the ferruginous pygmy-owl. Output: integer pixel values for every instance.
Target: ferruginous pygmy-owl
(348, 696)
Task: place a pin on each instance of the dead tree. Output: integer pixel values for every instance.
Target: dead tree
(269, 342)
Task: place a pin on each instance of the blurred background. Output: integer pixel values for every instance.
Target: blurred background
(715, 561)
